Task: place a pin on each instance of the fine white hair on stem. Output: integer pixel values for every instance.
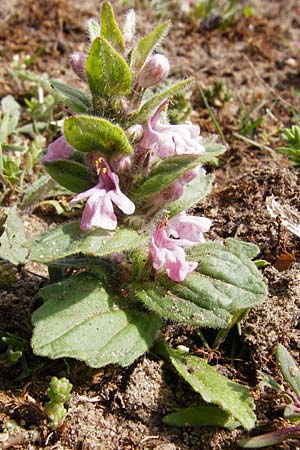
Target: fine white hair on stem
(93, 28)
(129, 26)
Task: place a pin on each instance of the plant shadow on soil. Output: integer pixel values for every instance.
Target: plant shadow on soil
(122, 408)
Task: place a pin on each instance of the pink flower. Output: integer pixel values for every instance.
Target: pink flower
(168, 140)
(189, 229)
(169, 240)
(99, 211)
(78, 60)
(175, 190)
(59, 149)
(155, 70)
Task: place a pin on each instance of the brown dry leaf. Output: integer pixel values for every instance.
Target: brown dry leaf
(284, 261)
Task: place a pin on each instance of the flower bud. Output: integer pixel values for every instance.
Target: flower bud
(78, 60)
(121, 163)
(119, 105)
(154, 71)
(135, 132)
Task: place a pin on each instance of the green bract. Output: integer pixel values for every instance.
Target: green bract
(110, 29)
(92, 134)
(107, 71)
(146, 44)
(75, 99)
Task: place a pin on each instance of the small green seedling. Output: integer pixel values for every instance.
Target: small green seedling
(12, 351)
(292, 148)
(59, 393)
(291, 406)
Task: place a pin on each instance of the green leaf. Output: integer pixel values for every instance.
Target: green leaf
(4, 127)
(107, 71)
(291, 413)
(78, 101)
(90, 134)
(193, 192)
(233, 275)
(68, 239)
(13, 109)
(268, 382)
(79, 319)
(236, 246)
(70, 174)
(168, 171)
(288, 368)
(12, 237)
(37, 191)
(110, 29)
(185, 302)
(225, 283)
(146, 44)
(151, 105)
(199, 416)
(213, 387)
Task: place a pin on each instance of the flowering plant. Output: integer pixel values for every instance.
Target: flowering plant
(136, 258)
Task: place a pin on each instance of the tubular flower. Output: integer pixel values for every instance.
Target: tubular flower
(168, 140)
(175, 190)
(58, 149)
(169, 240)
(99, 211)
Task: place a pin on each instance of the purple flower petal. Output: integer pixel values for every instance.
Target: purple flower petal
(59, 149)
(99, 211)
(169, 240)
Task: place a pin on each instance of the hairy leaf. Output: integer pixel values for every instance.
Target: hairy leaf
(68, 239)
(146, 44)
(225, 283)
(236, 246)
(92, 134)
(11, 108)
(107, 71)
(70, 174)
(234, 275)
(78, 101)
(110, 29)
(151, 105)
(183, 302)
(38, 190)
(199, 416)
(288, 368)
(168, 171)
(12, 237)
(79, 319)
(213, 387)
